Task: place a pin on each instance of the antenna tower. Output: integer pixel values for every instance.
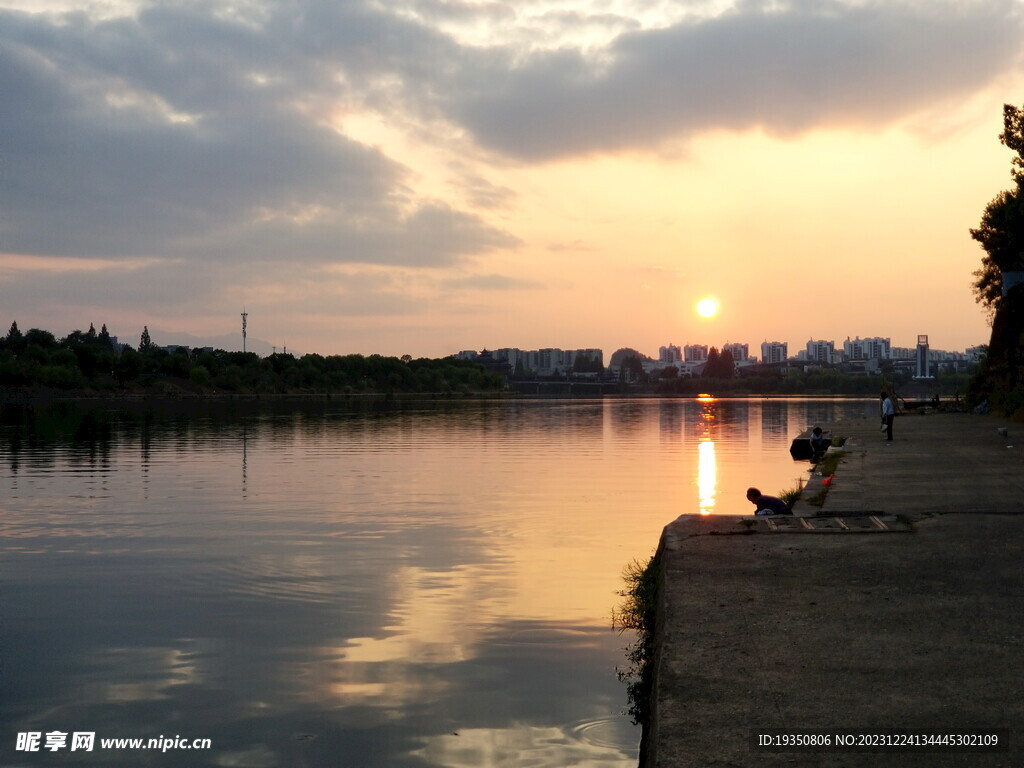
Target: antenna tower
(245, 317)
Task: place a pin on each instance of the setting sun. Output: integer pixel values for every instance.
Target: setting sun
(707, 307)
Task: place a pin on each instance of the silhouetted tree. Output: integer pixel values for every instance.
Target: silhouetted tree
(632, 369)
(727, 363)
(40, 338)
(719, 364)
(145, 343)
(14, 341)
(1001, 231)
(128, 366)
(586, 364)
(1001, 234)
(711, 366)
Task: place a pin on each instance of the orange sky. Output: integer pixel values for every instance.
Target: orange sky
(443, 176)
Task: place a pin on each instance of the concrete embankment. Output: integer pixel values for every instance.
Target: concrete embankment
(906, 620)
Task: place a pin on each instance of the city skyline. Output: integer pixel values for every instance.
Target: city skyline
(852, 348)
(412, 178)
(231, 343)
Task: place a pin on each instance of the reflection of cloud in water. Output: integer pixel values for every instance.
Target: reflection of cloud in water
(147, 674)
(594, 744)
(428, 621)
(386, 687)
(427, 627)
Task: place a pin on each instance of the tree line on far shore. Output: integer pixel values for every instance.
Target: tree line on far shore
(89, 361)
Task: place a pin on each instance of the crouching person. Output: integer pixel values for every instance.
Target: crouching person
(767, 505)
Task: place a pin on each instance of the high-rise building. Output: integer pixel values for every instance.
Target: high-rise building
(821, 351)
(774, 352)
(875, 348)
(544, 362)
(670, 354)
(923, 371)
(740, 352)
(695, 353)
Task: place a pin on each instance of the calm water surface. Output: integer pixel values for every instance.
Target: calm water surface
(423, 585)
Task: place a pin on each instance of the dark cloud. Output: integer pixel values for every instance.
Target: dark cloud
(433, 234)
(180, 287)
(163, 288)
(178, 134)
(187, 134)
(784, 71)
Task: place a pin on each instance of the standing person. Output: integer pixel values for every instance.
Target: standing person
(888, 414)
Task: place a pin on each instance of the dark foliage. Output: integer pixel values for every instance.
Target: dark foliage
(88, 361)
(1001, 234)
(638, 613)
(1001, 231)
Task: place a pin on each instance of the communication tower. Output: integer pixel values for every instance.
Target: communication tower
(245, 317)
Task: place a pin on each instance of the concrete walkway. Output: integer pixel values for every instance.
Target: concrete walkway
(915, 625)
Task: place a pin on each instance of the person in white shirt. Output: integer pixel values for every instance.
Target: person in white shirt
(888, 414)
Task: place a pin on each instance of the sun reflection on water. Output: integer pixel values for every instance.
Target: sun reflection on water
(707, 475)
(707, 470)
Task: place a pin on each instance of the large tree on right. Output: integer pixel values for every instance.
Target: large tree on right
(1001, 234)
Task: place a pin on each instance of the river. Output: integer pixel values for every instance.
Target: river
(404, 584)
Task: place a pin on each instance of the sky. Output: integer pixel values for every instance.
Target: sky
(428, 176)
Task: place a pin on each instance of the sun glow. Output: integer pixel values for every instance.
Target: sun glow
(707, 307)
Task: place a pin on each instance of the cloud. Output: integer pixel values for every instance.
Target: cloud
(492, 282)
(198, 152)
(479, 192)
(174, 133)
(170, 289)
(785, 70)
(178, 132)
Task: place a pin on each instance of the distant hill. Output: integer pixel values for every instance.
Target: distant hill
(621, 354)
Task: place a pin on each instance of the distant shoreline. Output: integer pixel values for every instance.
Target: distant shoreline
(14, 396)
(26, 396)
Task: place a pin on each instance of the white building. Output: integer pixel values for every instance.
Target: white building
(821, 351)
(740, 352)
(695, 353)
(543, 362)
(670, 354)
(875, 348)
(774, 352)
